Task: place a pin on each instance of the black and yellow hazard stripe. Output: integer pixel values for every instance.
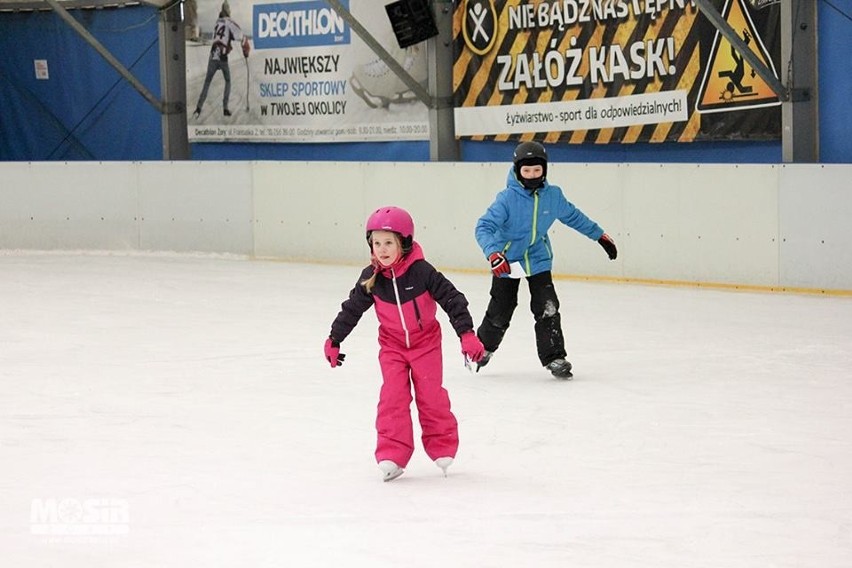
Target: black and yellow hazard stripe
(476, 76)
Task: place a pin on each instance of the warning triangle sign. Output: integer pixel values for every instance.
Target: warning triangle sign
(729, 82)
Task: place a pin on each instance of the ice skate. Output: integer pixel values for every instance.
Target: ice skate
(390, 470)
(560, 368)
(380, 87)
(444, 463)
(226, 112)
(197, 112)
(484, 361)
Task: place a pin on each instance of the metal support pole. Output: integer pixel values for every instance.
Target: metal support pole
(443, 145)
(800, 114)
(115, 63)
(173, 83)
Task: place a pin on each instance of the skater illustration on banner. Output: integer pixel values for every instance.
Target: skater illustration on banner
(405, 291)
(225, 33)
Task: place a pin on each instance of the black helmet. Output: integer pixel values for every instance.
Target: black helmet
(528, 150)
(530, 154)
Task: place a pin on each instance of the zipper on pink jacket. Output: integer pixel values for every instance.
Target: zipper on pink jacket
(399, 308)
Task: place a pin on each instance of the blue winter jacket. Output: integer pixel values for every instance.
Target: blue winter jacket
(516, 224)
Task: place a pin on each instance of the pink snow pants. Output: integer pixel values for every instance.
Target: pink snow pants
(422, 367)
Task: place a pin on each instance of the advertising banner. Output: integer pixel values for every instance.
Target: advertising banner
(612, 71)
(294, 71)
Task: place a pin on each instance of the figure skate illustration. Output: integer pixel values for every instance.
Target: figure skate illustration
(380, 87)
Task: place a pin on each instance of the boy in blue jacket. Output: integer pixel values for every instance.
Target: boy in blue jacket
(514, 229)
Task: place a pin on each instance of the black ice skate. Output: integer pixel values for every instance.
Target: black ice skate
(484, 361)
(560, 368)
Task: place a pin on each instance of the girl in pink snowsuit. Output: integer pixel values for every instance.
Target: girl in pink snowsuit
(406, 290)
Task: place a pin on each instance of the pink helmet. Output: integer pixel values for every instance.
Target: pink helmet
(393, 219)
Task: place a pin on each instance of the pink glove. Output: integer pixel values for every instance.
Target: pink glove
(332, 353)
(472, 347)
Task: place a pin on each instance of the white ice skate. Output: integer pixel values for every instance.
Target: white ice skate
(390, 470)
(379, 87)
(444, 463)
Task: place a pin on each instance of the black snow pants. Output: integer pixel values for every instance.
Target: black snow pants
(545, 309)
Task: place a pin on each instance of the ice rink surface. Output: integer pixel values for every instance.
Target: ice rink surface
(184, 403)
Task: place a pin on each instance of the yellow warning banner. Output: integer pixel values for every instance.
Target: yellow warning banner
(612, 71)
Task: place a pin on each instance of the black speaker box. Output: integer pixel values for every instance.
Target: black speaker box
(412, 21)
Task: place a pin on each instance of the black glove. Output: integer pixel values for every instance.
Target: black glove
(609, 246)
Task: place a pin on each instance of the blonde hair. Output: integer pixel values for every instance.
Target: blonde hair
(371, 281)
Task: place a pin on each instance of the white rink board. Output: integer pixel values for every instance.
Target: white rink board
(192, 206)
(704, 223)
(294, 202)
(308, 211)
(598, 190)
(759, 225)
(445, 204)
(69, 206)
(816, 216)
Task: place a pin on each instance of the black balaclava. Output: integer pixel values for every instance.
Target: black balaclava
(530, 154)
(531, 183)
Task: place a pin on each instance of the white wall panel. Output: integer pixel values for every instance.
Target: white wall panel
(729, 222)
(310, 211)
(653, 224)
(597, 190)
(707, 223)
(468, 190)
(201, 206)
(68, 206)
(445, 203)
(816, 217)
(763, 225)
(471, 188)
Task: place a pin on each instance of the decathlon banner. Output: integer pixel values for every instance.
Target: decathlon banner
(612, 71)
(293, 71)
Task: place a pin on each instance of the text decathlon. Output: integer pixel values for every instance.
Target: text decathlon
(299, 24)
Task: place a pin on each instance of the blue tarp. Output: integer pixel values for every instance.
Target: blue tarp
(87, 111)
(84, 110)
